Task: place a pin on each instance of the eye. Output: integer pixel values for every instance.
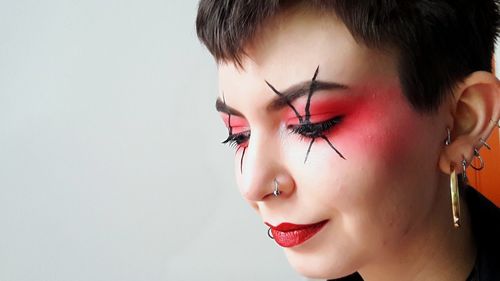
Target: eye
(314, 130)
(235, 140)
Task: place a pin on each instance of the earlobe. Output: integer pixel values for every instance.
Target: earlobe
(477, 102)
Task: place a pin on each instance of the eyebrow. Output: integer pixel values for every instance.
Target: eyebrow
(287, 96)
(298, 90)
(221, 106)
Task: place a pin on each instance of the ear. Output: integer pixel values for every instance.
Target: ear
(475, 110)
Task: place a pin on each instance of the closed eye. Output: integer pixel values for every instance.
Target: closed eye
(314, 130)
(235, 140)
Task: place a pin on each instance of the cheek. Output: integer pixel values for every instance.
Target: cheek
(386, 158)
(380, 141)
(384, 131)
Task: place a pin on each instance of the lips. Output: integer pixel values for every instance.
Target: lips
(289, 235)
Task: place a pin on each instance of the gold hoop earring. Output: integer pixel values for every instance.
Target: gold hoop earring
(455, 196)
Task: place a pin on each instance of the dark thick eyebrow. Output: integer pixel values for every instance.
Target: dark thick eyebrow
(221, 106)
(287, 96)
(296, 91)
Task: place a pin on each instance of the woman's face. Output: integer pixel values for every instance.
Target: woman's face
(350, 150)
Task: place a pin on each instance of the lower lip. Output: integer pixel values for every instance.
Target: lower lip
(296, 237)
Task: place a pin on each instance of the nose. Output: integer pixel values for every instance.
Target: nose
(263, 170)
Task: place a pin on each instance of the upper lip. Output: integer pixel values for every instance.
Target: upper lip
(287, 226)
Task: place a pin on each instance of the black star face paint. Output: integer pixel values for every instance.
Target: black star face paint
(306, 128)
(237, 137)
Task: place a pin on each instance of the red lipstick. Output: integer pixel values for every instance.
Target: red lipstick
(289, 235)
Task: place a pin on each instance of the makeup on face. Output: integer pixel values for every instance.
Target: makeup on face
(301, 120)
(238, 130)
(290, 235)
(305, 127)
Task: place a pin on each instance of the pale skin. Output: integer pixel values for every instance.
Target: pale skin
(388, 201)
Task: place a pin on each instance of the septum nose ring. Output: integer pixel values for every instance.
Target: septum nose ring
(276, 191)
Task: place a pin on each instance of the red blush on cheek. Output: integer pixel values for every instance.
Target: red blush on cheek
(384, 125)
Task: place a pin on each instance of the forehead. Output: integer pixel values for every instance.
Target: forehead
(289, 47)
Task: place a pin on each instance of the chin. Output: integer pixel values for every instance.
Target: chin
(318, 267)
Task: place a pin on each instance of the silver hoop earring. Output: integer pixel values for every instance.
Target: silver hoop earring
(481, 162)
(496, 123)
(464, 173)
(448, 139)
(483, 142)
(276, 191)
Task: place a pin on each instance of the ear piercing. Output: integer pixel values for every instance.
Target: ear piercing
(454, 183)
(496, 123)
(481, 162)
(483, 142)
(455, 196)
(476, 153)
(464, 174)
(448, 139)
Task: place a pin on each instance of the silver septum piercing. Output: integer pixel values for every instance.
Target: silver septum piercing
(276, 191)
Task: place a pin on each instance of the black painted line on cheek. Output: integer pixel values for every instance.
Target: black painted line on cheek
(309, 149)
(333, 147)
(241, 160)
(287, 102)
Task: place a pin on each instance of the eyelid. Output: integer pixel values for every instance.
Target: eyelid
(239, 129)
(234, 123)
(314, 118)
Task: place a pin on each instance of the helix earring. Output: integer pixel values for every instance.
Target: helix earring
(276, 191)
(481, 162)
(464, 173)
(483, 142)
(448, 139)
(496, 123)
(455, 196)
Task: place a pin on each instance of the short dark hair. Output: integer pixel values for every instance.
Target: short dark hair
(438, 42)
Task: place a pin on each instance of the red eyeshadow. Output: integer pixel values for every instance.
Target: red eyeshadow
(320, 109)
(238, 124)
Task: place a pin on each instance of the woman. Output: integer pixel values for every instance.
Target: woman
(351, 121)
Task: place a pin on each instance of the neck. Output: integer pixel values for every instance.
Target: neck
(436, 251)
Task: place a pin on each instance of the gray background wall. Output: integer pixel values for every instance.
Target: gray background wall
(111, 166)
(110, 162)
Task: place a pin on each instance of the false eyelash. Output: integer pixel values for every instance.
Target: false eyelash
(234, 140)
(314, 130)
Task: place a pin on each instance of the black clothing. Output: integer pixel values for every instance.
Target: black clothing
(485, 223)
